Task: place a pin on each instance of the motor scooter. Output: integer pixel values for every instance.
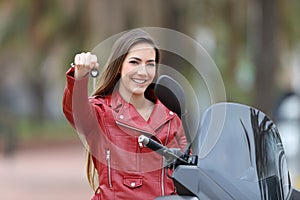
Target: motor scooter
(236, 153)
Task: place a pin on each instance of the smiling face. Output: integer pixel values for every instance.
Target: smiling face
(138, 70)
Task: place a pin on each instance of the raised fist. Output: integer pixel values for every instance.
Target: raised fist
(84, 63)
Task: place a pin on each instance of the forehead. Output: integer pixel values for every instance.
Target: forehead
(142, 48)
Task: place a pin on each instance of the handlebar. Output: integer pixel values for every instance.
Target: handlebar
(169, 154)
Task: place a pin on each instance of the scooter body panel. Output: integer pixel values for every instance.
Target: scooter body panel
(239, 148)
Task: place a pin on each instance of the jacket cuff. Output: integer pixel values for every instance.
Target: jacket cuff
(71, 80)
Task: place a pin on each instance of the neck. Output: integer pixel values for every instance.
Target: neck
(143, 106)
(138, 101)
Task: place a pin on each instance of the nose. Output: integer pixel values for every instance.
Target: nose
(142, 69)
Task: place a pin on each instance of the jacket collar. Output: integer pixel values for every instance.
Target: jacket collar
(126, 115)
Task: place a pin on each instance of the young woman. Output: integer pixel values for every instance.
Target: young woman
(122, 108)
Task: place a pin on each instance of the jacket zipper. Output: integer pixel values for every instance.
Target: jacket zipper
(162, 170)
(108, 167)
(162, 180)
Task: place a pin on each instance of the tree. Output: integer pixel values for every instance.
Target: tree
(266, 53)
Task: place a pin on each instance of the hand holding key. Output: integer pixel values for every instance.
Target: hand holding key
(84, 64)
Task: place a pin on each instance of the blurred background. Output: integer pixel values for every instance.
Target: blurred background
(254, 43)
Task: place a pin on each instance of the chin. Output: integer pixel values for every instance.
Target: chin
(138, 91)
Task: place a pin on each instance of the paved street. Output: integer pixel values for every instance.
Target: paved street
(55, 173)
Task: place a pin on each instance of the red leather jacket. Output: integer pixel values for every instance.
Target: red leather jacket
(110, 127)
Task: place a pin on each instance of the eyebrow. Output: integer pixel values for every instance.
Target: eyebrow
(136, 58)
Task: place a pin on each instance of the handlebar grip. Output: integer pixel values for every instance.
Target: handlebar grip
(151, 144)
(160, 149)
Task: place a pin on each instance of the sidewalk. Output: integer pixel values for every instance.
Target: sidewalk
(45, 174)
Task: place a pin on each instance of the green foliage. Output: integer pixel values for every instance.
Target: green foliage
(34, 32)
(27, 130)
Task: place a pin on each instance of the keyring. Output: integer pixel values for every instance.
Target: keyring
(94, 72)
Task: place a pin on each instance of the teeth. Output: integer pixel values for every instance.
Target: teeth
(139, 81)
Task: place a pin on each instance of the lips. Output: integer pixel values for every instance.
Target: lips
(139, 81)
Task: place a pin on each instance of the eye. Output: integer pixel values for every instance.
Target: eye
(151, 64)
(134, 62)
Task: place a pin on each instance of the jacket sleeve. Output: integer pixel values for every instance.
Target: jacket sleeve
(180, 135)
(78, 109)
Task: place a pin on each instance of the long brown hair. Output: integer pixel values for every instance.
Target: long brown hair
(111, 75)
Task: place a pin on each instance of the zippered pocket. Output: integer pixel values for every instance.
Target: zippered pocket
(108, 168)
